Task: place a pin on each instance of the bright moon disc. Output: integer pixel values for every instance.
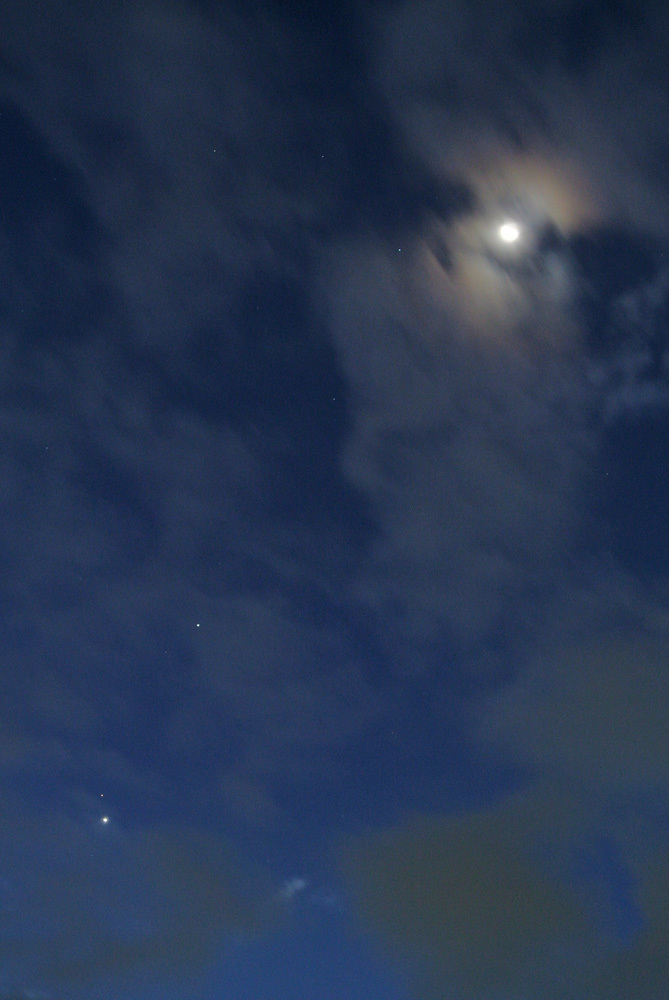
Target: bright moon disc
(509, 232)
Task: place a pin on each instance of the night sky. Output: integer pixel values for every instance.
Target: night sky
(334, 485)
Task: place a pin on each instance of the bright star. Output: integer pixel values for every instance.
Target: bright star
(105, 819)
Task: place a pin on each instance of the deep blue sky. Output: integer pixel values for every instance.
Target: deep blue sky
(334, 617)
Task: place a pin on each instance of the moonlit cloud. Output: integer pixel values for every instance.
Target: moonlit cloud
(293, 887)
(468, 902)
(444, 395)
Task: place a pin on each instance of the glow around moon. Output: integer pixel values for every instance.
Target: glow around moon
(509, 232)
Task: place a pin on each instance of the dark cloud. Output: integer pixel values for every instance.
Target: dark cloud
(25, 995)
(635, 491)
(87, 904)
(181, 134)
(611, 263)
(573, 35)
(469, 904)
(118, 508)
(633, 373)
(49, 244)
(594, 712)
(583, 718)
(173, 436)
(642, 969)
(473, 904)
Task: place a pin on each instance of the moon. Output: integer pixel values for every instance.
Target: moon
(509, 232)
